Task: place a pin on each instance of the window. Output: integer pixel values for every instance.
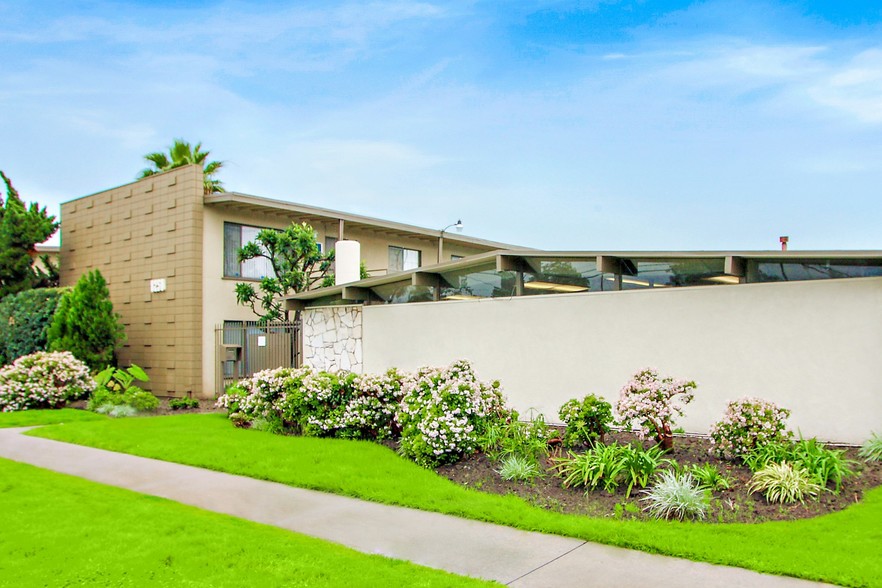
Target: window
(234, 237)
(401, 259)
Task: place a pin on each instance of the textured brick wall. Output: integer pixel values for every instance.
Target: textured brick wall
(146, 230)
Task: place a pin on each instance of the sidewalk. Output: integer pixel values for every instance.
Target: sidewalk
(510, 556)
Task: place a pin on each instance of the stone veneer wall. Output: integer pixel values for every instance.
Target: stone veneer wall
(332, 338)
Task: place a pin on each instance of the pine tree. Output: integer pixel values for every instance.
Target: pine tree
(86, 325)
(21, 228)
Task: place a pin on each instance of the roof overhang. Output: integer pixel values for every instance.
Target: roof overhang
(313, 214)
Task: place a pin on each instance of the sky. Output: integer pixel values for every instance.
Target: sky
(560, 125)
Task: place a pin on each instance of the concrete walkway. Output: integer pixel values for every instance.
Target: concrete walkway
(513, 557)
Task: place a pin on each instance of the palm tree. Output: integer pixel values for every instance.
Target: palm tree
(181, 153)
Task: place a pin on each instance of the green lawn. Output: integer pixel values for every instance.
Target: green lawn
(27, 418)
(842, 548)
(58, 530)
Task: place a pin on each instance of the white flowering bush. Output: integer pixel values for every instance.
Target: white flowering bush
(648, 404)
(257, 396)
(43, 380)
(749, 423)
(320, 404)
(444, 411)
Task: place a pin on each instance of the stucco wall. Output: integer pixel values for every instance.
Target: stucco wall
(135, 233)
(813, 347)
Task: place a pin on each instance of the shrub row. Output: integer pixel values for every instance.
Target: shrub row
(437, 414)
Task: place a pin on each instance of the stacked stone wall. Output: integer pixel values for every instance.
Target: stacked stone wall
(332, 338)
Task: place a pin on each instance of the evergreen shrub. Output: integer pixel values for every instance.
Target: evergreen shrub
(24, 321)
(85, 323)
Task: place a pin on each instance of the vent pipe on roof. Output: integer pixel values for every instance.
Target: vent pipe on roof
(347, 262)
(783, 241)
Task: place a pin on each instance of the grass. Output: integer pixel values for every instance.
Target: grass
(28, 418)
(841, 548)
(64, 531)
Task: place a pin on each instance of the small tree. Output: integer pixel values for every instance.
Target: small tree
(647, 401)
(85, 323)
(297, 265)
(21, 228)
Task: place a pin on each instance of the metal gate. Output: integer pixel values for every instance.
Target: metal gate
(244, 348)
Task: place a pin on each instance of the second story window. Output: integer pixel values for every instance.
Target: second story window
(235, 236)
(401, 259)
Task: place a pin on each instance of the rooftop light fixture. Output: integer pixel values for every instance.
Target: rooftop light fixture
(458, 226)
(554, 287)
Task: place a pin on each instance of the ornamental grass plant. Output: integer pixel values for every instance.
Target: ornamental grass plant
(676, 496)
(784, 483)
(871, 450)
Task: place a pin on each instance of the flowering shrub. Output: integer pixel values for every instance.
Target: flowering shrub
(43, 380)
(318, 404)
(258, 396)
(444, 411)
(354, 407)
(749, 423)
(648, 401)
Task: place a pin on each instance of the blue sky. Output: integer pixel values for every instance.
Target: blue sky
(594, 125)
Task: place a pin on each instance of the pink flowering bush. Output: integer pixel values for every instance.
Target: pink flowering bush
(749, 423)
(444, 411)
(43, 380)
(647, 404)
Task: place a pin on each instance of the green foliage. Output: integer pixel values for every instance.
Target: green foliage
(676, 495)
(181, 153)
(183, 403)
(519, 467)
(587, 420)
(822, 464)
(116, 387)
(85, 323)
(610, 466)
(24, 320)
(784, 483)
(528, 439)
(21, 228)
(297, 265)
(871, 450)
(708, 476)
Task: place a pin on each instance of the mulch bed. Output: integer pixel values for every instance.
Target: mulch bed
(729, 506)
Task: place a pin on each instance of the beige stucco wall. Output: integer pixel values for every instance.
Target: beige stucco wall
(813, 347)
(220, 295)
(135, 233)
